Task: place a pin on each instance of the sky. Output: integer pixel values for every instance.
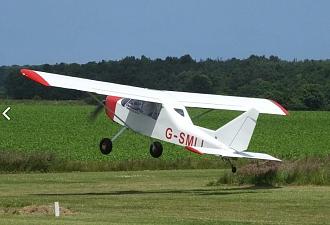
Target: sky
(53, 31)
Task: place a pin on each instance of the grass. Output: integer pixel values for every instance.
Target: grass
(22, 162)
(156, 197)
(310, 171)
(15, 162)
(61, 128)
(301, 134)
(56, 136)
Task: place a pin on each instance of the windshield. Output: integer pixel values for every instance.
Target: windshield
(150, 109)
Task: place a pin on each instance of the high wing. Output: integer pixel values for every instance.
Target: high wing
(231, 153)
(184, 98)
(99, 87)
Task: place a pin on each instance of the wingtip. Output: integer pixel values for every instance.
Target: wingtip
(276, 159)
(33, 75)
(284, 110)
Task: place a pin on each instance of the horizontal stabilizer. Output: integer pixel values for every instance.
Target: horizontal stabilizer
(231, 153)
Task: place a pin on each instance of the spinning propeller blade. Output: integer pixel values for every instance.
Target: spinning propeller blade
(94, 114)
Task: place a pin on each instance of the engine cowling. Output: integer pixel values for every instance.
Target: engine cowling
(110, 106)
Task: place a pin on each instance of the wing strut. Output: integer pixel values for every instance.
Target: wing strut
(202, 114)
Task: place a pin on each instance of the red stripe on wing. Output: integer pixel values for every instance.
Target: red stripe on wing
(281, 107)
(34, 76)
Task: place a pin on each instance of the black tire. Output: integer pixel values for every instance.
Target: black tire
(233, 169)
(156, 149)
(105, 146)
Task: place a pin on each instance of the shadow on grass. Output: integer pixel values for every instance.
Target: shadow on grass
(217, 191)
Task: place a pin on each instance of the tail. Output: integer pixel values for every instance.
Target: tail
(237, 133)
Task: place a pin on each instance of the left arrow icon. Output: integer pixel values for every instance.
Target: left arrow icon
(5, 113)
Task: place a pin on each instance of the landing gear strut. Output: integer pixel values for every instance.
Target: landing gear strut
(106, 143)
(156, 149)
(233, 168)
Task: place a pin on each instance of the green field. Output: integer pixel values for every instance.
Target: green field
(156, 197)
(62, 128)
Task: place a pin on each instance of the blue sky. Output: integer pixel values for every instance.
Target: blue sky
(44, 31)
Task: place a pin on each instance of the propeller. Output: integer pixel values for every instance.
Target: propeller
(102, 105)
(94, 114)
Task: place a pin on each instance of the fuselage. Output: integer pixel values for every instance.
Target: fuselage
(166, 122)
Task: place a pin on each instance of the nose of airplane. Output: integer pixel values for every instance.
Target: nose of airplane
(110, 106)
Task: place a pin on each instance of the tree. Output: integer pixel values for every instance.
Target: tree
(296, 84)
(186, 59)
(313, 97)
(199, 83)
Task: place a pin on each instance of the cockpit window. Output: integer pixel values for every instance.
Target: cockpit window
(150, 109)
(135, 104)
(180, 111)
(124, 101)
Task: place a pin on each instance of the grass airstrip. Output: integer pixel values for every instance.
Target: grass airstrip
(155, 197)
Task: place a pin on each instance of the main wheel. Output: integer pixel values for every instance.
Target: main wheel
(105, 146)
(233, 169)
(156, 149)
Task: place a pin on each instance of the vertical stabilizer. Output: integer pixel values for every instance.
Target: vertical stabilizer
(238, 132)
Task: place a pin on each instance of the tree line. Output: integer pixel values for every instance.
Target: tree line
(298, 85)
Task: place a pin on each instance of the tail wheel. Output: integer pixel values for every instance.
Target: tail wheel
(156, 149)
(106, 146)
(233, 168)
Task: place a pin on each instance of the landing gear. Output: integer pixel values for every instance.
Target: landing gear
(156, 149)
(105, 146)
(233, 168)
(106, 143)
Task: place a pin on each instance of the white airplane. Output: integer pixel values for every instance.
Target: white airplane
(162, 115)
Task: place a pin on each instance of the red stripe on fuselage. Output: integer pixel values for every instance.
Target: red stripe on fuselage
(34, 76)
(189, 148)
(110, 103)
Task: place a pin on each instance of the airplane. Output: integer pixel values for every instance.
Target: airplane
(162, 115)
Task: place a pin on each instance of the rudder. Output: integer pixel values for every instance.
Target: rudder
(238, 132)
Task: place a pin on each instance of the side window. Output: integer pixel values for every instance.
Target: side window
(180, 111)
(150, 109)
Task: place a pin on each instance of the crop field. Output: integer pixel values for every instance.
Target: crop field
(155, 197)
(62, 128)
